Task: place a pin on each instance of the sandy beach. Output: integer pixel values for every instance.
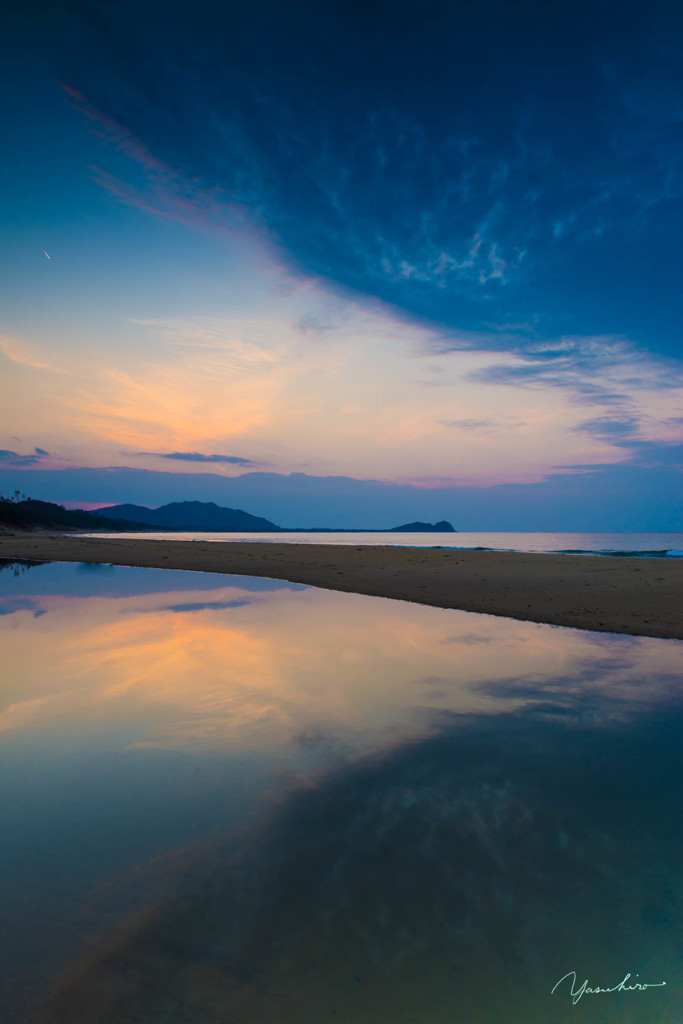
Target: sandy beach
(640, 596)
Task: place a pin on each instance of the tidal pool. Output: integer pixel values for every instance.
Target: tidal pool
(229, 800)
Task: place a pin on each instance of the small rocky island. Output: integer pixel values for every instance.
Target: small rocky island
(442, 527)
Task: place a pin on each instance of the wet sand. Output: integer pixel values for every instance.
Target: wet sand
(640, 596)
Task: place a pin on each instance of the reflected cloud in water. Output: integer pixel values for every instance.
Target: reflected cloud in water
(20, 604)
(316, 806)
(202, 606)
(454, 878)
(229, 669)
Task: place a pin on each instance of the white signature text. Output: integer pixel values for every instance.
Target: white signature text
(626, 985)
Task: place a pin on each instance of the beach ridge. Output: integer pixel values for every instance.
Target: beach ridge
(641, 597)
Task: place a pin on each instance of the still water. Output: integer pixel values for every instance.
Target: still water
(228, 800)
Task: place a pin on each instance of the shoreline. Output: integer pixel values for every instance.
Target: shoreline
(639, 597)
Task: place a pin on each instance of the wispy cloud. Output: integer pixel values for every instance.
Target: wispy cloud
(202, 606)
(463, 199)
(109, 129)
(25, 354)
(304, 374)
(621, 431)
(15, 459)
(164, 191)
(235, 460)
(11, 605)
(470, 424)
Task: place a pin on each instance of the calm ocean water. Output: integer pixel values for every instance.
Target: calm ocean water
(660, 545)
(228, 800)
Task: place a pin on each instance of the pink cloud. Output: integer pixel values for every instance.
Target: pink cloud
(110, 130)
(167, 193)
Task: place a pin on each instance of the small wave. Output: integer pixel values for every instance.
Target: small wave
(663, 553)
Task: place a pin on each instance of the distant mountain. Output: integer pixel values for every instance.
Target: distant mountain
(442, 527)
(206, 515)
(30, 514)
(178, 515)
(193, 515)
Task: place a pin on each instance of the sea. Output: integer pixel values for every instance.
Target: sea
(643, 545)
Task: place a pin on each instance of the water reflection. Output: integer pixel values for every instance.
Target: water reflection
(455, 879)
(431, 816)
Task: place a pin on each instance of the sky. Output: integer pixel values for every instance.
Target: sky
(345, 264)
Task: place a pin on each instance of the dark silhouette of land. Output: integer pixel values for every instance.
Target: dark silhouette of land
(198, 516)
(193, 515)
(206, 515)
(30, 514)
(442, 527)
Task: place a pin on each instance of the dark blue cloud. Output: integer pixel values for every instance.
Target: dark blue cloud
(15, 459)
(470, 424)
(9, 606)
(584, 364)
(617, 431)
(236, 460)
(500, 163)
(202, 606)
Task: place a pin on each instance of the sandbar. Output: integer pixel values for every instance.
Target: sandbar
(639, 596)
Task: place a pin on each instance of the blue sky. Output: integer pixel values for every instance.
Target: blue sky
(437, 249)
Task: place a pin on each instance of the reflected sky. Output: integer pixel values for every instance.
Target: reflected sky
(240, 800)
